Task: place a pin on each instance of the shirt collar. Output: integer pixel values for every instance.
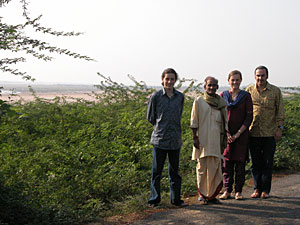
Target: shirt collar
(174, 91)
(267, 87)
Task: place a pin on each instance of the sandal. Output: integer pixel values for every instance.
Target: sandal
(264, 195)
(225, 195)
(202, 200)
(238, 196)
(255, 194)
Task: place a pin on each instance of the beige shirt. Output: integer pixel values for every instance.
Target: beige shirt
(209, 124)
(267, 110)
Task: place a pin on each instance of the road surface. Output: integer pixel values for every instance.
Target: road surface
(283, 207)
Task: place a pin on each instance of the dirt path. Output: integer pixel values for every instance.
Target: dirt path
(283, 207)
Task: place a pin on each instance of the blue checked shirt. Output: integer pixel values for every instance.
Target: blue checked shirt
(164, 114)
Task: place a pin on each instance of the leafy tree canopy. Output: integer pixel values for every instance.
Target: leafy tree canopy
(13, 38)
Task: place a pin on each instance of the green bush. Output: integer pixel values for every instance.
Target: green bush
(287, 155)
(75, 162)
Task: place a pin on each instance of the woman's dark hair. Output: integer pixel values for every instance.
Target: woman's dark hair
(169, 70)
(234, 72)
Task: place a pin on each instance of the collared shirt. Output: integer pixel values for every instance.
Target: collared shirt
(164, 113)
(268, 110)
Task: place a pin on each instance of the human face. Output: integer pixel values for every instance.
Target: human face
(169, 80)
(211, 87)
(261, 77)
(235, 82)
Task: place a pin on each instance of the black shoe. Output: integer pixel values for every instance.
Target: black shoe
(214, 201)
(180, 204)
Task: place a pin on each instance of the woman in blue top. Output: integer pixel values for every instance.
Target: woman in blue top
(240, 115)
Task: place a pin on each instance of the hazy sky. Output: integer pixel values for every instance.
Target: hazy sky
(143, 37)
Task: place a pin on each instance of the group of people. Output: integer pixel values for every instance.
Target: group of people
(225, 129)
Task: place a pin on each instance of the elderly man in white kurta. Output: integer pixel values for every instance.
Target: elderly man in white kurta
(209, 125)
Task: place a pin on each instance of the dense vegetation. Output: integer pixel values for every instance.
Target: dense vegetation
(74, 162)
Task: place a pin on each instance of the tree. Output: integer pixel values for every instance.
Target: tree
(13, 38)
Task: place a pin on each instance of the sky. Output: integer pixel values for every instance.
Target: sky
(197, 38)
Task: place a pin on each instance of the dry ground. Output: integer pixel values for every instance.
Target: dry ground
(283, 207)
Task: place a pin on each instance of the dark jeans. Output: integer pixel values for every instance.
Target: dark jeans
(159, 157)
(234, 172)
(262, 151)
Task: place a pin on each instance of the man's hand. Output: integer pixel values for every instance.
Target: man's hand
(278, 134)
(196, 142)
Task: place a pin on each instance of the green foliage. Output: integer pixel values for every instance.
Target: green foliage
(5, 108)
(287, 155)
(75, 162)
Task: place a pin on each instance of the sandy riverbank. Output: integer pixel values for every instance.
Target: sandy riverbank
(70, 96)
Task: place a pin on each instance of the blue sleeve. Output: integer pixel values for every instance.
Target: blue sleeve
(151, 114)
(182, 104)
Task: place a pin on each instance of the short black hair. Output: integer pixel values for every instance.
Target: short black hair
(262, 68)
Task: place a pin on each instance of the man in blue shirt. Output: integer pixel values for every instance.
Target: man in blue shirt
(164, 113)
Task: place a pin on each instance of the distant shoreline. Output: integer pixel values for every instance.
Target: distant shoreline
(46, 88)
(70, 96)
(71, 92)
(61, 88)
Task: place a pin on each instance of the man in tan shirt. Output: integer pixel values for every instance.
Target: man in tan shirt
(265, 130)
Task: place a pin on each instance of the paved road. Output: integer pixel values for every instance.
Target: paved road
(283, 207)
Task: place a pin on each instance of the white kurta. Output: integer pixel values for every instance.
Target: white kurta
(209, 124)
